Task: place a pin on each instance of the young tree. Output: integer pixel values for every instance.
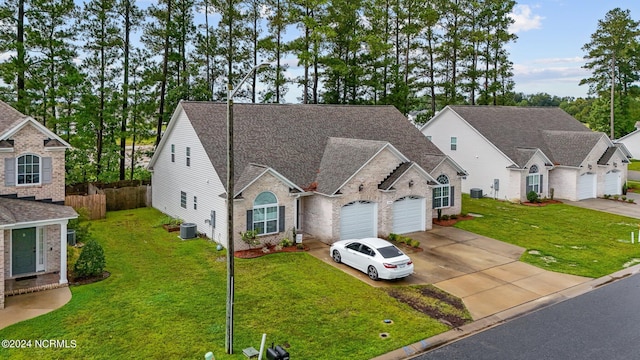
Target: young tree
(613, 59)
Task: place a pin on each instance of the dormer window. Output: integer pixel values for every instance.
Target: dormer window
(28, 170)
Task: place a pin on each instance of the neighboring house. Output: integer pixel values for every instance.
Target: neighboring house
(510, 151)
(33, 218)
(631, 141)
(329, 171)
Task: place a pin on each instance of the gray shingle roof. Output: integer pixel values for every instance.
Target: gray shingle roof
(16, 211)
(341, 159)
(565, 140)
(387, 183)
(292, 139)
(9, 117)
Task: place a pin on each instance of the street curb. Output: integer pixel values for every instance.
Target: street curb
(415, 349)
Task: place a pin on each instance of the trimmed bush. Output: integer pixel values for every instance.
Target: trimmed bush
(532, 196)
(91, 261)
(415, 243)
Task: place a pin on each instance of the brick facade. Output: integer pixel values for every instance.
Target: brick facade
(30, 140)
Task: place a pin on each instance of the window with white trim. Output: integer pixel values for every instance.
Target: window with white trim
(534, 180)
(173, 153)
(28, 169)
(442, 193)
(188, 156)
(183, 199)
(265, 213)
(454, 143)
(195, 203)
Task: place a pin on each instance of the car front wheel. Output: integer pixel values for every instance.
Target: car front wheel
(336, 256)
(372, 272)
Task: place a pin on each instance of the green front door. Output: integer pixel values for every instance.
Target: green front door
(23, 250)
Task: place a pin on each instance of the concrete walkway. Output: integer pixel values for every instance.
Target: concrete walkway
(23, 307)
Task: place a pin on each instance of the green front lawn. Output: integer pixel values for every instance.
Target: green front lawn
(166, 299)
(634, 165)
(559, 237)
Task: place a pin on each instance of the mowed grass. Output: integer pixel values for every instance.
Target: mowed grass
(559, 237)
(166, 299)
(634, 165)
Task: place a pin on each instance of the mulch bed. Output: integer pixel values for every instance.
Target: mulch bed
(451, 222)
(543, 203)
(89, 280)
(257, 252)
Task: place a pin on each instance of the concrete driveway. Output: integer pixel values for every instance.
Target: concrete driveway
(611, 206)
(483, 272)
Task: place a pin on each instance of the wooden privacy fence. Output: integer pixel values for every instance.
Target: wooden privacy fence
(95, 205)
(98, 198)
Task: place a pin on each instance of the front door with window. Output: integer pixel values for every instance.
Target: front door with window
(23, 250)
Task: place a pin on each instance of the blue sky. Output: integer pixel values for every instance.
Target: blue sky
(548, 54)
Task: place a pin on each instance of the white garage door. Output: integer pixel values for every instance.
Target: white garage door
(586, 186)
(612, 183)
(358, 220)
(408, 215)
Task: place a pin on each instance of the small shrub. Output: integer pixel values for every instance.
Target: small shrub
(91, 261)
(454, 216)
(606, 196)
(286, 242)
(445, 217)
(624, 198)
(616, 197)
(415, 243)
(532, 196)
(393, 237)
(631, 201)
(300, 246)
(250, 238)
(463, 214)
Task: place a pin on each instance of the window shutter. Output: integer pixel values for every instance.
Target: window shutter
(281, 219)
(528, 185)
(541, 183)
(249, 220)
(433, 198)
(10, 172)
(453, 196)
(46, 170)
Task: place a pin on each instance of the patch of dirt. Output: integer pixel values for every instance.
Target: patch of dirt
(455, 302)
(257, 252)
(448, 319)
(451, 222)
(89, 280)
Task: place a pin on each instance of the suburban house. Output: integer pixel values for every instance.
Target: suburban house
(510, 151)
(328, 171)
(631, 142)
(33, 218)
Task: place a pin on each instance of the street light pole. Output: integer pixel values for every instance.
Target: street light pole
(230, 195)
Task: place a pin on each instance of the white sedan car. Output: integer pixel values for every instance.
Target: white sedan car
(375, 257)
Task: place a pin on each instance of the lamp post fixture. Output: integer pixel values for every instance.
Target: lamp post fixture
(230, 195)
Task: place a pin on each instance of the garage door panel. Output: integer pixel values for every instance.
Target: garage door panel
(357, 220)
(612, 183)
(408, 215)
(587, 186)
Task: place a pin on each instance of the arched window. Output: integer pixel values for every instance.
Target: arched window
(442, 193)
(265, 213)
(28, 169)
(534, 180)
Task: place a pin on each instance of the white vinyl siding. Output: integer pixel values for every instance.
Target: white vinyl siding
(203, 179)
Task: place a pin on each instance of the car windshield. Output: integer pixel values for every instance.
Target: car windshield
(389, 252)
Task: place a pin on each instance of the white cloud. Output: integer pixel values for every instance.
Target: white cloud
(6, 55)
(524, 19)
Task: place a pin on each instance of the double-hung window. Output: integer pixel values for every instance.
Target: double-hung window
(265, 213)
(183, 199)
(188, 156)
(454, 143)
(173, 153)
(28, 169)
(534, 180)
(442, 193)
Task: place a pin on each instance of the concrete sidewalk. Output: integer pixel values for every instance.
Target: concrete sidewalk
(27, 306)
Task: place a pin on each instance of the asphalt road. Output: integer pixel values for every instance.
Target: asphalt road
(602, 324)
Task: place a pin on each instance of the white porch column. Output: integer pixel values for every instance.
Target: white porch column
(63, 252)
